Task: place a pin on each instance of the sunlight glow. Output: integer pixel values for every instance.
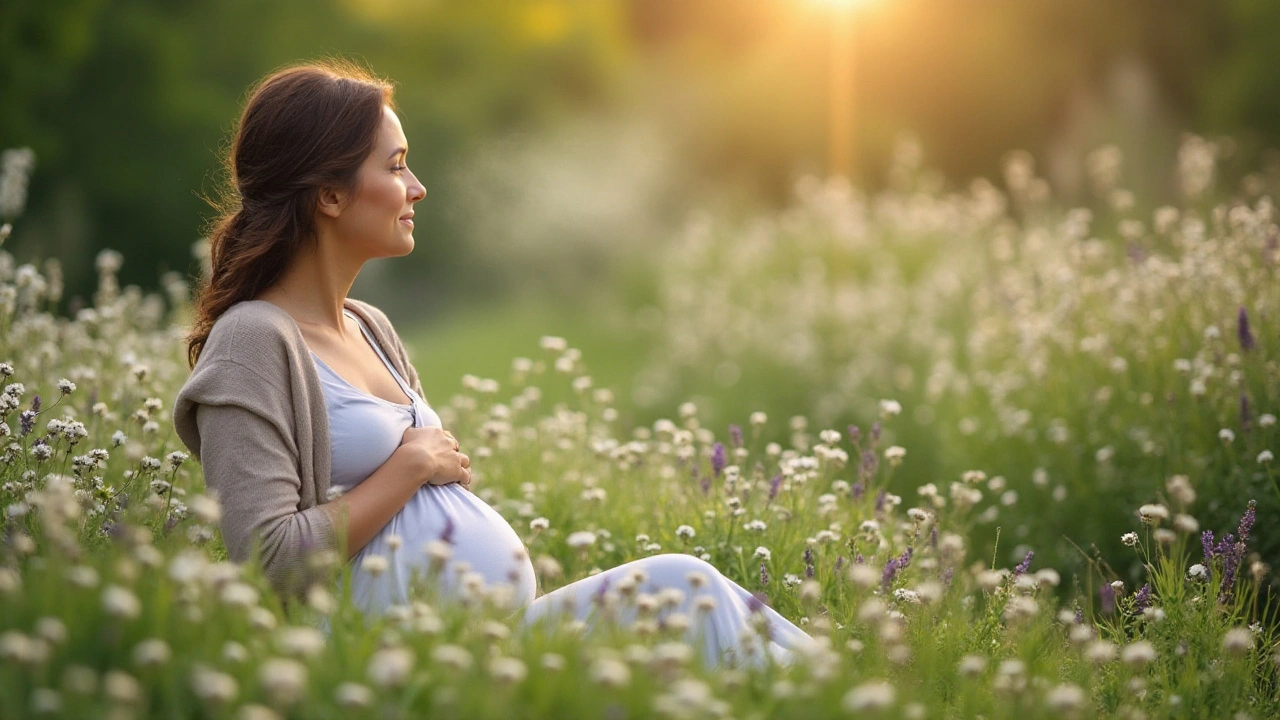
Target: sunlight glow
(843, 3)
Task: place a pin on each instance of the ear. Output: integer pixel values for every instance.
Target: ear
(330, 200)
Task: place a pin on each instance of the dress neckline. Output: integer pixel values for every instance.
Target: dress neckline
(408, 391)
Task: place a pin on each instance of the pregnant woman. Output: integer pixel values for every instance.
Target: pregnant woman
(297, 390)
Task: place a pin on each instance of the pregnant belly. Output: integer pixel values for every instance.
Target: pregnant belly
(477, 534)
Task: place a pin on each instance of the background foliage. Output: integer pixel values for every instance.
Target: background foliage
(596, 126)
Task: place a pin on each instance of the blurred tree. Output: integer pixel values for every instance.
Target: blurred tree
(128, 103)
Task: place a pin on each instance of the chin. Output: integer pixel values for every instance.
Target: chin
(402, 248)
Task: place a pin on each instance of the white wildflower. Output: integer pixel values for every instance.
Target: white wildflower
(374, 564)
(353, 696)
(1065, 698)
(120, 602)
(1138, 653)
(869, 697)
(1237, 641)
(390, 667)
(1152, 514)
(284, 680)
(212, 686)
(507, 670)
(151, 652)
(610, 673)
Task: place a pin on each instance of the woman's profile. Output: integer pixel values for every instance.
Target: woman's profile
(306, 414)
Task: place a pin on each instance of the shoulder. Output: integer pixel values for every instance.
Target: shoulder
(248, 326)
(253, 345)
(252, 359)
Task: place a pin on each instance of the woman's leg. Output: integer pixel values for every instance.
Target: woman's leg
(674, 589)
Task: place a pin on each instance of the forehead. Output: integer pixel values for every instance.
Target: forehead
(390, 132)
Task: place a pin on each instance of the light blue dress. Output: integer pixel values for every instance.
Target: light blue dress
(365, 430)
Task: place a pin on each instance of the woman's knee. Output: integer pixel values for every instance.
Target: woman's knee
(678, 567)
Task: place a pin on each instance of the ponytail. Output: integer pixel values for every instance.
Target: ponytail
(303, 128)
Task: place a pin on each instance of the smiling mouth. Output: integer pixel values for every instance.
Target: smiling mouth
(407, 220)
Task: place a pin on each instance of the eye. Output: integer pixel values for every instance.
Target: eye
(398, 168)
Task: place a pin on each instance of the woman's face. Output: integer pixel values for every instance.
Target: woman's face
(378, 218)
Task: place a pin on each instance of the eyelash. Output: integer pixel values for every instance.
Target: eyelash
(400, 167)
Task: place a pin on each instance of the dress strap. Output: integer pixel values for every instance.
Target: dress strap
(408, 391)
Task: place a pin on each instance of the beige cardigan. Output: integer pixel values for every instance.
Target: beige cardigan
(254, 413)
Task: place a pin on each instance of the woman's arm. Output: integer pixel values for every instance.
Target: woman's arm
(366, 508)
(252, 468)
(426, 454)
(245, 461)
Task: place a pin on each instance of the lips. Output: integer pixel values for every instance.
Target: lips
(407, 219)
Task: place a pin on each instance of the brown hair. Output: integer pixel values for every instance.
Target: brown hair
(303, 128)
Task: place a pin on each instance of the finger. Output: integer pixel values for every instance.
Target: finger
(464, 460)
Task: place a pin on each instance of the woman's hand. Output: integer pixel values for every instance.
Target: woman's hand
(435, 456)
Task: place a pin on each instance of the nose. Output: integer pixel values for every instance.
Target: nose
(416, 190)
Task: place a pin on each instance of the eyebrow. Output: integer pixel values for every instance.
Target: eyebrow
(397, 151)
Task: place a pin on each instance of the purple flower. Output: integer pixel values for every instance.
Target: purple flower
(808, 562)
(855, 492)
(1143, 598)
(1246, 416)
(598, 595)
(875, 432)
(1022, 567)
(886, 577)
(1107, 597)
(774, 485)
(947, 575)
(1247, 520)
(1079, 616)
(880, 499)
(933, 538)
(717, 459)
(735, 435)
(854, 434)
(764, 574)
(757, 601)
(892, 567)
(1206, 544)
(869, 463)
(26, 421)
(1242, 330)
(839, 562)
(1135, 252)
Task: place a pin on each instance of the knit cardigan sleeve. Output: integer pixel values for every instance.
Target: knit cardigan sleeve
(246, 412)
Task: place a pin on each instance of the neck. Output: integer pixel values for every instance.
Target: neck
(315, 285)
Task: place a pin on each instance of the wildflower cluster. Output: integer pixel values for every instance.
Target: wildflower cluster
(116, 598)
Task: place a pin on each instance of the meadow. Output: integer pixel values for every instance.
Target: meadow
(1003, 458)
